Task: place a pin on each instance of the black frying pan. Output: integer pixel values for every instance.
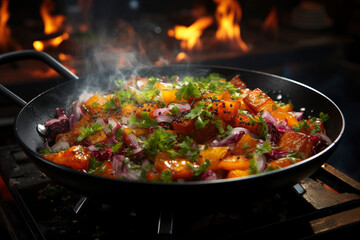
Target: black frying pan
(42, 108)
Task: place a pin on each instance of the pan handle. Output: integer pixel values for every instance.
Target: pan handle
(32, 54)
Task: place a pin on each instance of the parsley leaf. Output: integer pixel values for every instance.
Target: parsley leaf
(145, 122)
(160, 140)
(93, 165)
(316, 129)
(262, 123)
(253, 166)
(116, 147)
(324, 117)
(87, 131)
(200, 170)
(186, 149)
(166, 176)
(187, 90)
(202, 114)
(110, 105)
(174, 111)
(263, 148)
(301, 125)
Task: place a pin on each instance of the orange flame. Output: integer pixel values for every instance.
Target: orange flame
(228, 15)
(52, 24)
(190, 36)
(271, 22)
(5, 32)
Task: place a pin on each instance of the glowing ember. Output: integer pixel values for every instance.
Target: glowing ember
(190, 36)
(181, 57)
(64, 57)
(5, 32)
(53, 42)
(228, 15)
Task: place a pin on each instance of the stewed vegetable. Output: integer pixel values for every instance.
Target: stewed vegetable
(170, 129)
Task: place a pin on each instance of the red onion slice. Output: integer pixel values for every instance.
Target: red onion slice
(297, 115)
(233, 136)
(261, 163)
(166, 119)
(161, 111)
(60, 145)
(133, 142)
(269, 118)
(117, 162)
(323, 137)
(208, 175)
(183, 107)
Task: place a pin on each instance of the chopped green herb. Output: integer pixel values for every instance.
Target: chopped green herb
(263, 148)
(261, 121)
(45, 151)
(186, 149)
(316, 129)
(93, 165)
(187, 90)
(324, 117)
(174, 111)
(301, 125)
(160, 140)
(110, 105)
(145, 122)
(253, 166)
(166, 176)
(200, 170)
(87, 131)
(115, 148)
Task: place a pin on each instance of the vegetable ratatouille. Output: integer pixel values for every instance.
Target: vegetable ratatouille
(172, 130)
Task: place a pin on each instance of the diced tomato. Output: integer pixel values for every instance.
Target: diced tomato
(169, 96)
(312, 127)
(245, 145)
(152, 175)
(76, 157)
(71, 137)
(243, 120)
(227, 110)
(258, 101)
(286, 107)
(214, 154)
(205, 134)
(237, 82)
(281, 116)
(183, 127)
(135, 131)
(284, 162)
(128, 110)
(146, 107)
(178, 166)
(234, 162)
(296, 142)
(105, 170)
(94, 106)
(96, 137)
(237, 173)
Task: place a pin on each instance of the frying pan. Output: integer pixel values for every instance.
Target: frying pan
(42, 108)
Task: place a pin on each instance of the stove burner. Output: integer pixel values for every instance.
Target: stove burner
(37, 208)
